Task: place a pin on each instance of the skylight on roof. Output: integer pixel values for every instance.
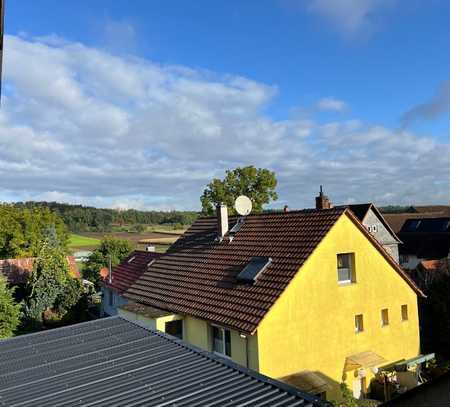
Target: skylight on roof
(253, 269)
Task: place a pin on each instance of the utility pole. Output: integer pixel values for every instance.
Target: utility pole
(2, 31)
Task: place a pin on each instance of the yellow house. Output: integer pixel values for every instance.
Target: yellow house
(309, 297)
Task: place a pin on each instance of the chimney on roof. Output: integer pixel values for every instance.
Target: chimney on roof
(322, 201)
(286, 208)
(222, 220)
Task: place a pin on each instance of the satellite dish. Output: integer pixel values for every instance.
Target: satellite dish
(243, 205)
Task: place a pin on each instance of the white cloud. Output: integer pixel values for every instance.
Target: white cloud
(350, 16)
(79, 124)
(331, 104)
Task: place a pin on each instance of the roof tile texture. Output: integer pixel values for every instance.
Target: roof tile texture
(127, 272)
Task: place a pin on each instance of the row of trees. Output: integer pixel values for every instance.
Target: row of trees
(80, 218)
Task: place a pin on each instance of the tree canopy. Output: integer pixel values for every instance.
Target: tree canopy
(110, 248)
(22, 230)
(46, 282)
(257, 183)
(9, 310)
(80, 218)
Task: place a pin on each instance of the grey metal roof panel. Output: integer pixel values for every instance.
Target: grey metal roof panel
(114, 362)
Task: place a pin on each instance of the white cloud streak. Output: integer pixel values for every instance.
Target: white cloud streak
(79, 124)
(350, 17)
(331, 104)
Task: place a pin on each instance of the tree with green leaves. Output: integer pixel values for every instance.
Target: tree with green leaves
(111, 248)
(46, 282)
(69, 296)
(22, 230)
(257, 183)
(9, 310)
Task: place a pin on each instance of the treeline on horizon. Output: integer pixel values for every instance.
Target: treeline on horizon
(79, 218)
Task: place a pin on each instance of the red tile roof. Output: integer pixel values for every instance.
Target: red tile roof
(127, 272)
(434, 265)
(197, 276)
(17, 270)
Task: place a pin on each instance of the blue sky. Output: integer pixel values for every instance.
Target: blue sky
(349, 93)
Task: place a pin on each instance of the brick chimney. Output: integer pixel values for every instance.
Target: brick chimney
(322, 201)
(222, 220)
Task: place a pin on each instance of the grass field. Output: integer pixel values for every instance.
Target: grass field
(78, 241)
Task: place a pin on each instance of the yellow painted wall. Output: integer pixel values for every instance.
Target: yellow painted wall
(198, 333)
(311, 326)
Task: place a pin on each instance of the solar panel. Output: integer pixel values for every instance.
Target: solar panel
(253, 269)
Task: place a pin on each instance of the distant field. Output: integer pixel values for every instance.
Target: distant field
(161, 239)
(79, 241)
(166, 230)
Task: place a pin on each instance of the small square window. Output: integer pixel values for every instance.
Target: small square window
(221, 340)
(404, 312)
(345, 268)
(384, 317)
(359, 323)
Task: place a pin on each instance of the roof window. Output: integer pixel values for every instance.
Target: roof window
(130, 260)
(253, 269)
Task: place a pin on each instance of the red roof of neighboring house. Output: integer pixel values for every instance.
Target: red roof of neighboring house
(434, 265)
(17, 270)
(127, 272)
(198, 274)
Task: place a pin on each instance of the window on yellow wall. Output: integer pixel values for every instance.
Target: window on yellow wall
(404, 312)
(384, 317)
(359, 323)
(346, 268)
(221, 340)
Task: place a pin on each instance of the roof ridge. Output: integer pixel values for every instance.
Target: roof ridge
(340, 208)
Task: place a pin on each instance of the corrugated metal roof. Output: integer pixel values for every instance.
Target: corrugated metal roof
(113, 362)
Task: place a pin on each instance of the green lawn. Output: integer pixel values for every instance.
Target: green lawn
(82, 241)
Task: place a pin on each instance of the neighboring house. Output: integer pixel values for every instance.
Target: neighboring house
(424, 237)
(82, 255)
(113, 362)
(17, 270)
(307, 296)
(373, 220)
(122, 277)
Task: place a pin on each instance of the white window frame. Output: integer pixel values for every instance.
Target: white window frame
(350, 270)
(222, 331)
